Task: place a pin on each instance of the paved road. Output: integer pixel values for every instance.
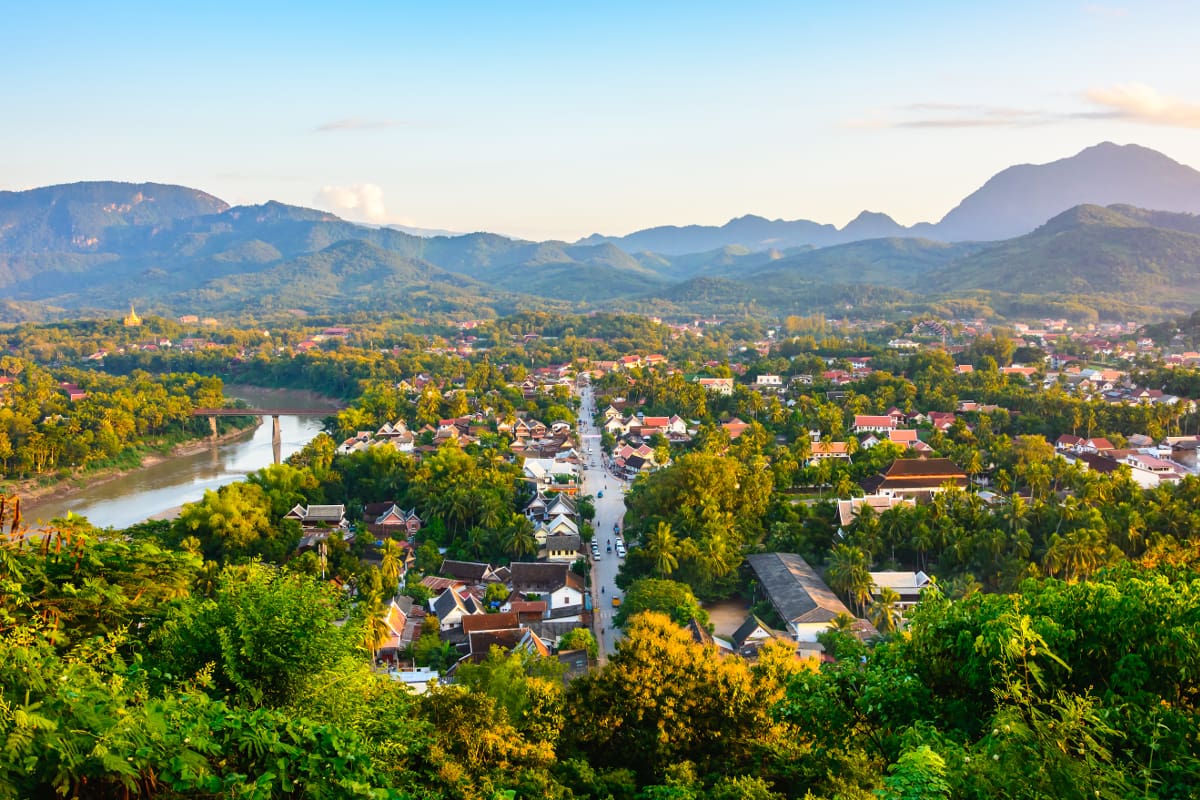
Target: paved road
(610, 510)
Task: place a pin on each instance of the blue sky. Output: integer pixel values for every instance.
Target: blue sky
(558, 120)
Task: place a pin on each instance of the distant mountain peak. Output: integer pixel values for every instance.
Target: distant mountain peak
(747, 218)
(873, 225)
(1018, 199)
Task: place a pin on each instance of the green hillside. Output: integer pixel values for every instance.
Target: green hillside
(886, 262)
(97, 247)
(1088, 250)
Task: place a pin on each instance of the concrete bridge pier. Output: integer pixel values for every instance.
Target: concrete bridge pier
(276, 439)
(212, 425)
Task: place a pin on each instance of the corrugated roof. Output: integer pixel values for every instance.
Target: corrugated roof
(795, 589)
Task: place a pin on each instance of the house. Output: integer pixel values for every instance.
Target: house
(721, 386)
(906, 584)
(751, 635)
(551, 581)
(1067, 442)
(635, 464)
(1150, 471)
(536, 508)
(562, 547)
(560, 504)
(1096, 444)
(773, 381)
(848, 510)
(468, 572)
(528, 611)
(400, 631)
(903, 436)
(388, 519)
(823, 450)
(318, 523)
(312, 516)
(543, 507)
(560, 525)
(618, 426)
(921, 476)
(701, 636)
(510, 640)
(867, 423)
(482, 623)
(796, 593)
(451, 606)
(734, 427)
(941, 420)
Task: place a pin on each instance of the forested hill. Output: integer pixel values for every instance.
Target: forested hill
(1091, 250)
(96, 247)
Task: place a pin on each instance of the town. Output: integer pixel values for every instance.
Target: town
(795, 495)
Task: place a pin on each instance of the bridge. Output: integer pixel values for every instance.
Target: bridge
(264, 412)
(273, 413)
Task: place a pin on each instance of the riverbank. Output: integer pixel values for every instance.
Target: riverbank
(32, 489)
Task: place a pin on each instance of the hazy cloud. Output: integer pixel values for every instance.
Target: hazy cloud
(1137, 102)
(362, 201)
(955, 115)
(357, 124)
(1129, 102)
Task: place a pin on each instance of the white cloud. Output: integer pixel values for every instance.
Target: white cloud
(1138, 102)
(362, 201)
(955, 115)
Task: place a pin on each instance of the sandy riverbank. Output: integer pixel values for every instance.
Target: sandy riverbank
(30, 490)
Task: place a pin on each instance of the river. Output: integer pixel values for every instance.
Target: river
(159, 490)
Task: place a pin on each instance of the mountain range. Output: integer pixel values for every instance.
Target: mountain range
(1011, 203)
(1031, 242)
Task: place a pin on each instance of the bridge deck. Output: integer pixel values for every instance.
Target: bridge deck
(263, 412)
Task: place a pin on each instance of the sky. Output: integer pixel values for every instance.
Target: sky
(558, 120)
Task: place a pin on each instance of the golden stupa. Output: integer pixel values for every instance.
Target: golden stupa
(132, 320)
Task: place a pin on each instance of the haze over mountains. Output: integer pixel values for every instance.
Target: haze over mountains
(1039, 231)
(1013, 202)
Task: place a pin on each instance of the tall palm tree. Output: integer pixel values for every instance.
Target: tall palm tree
(390, 565)
(849, 574)
(884, 612)
(1077, 554)
(375, 629)
(519, 538)
(662, 547)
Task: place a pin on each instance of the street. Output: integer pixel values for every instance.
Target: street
(610, 511)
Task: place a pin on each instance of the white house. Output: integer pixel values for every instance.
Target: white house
(553, 582)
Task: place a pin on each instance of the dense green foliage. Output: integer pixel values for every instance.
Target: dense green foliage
(44, 431)
(169, 686)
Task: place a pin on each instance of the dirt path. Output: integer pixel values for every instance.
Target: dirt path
(727, 616)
